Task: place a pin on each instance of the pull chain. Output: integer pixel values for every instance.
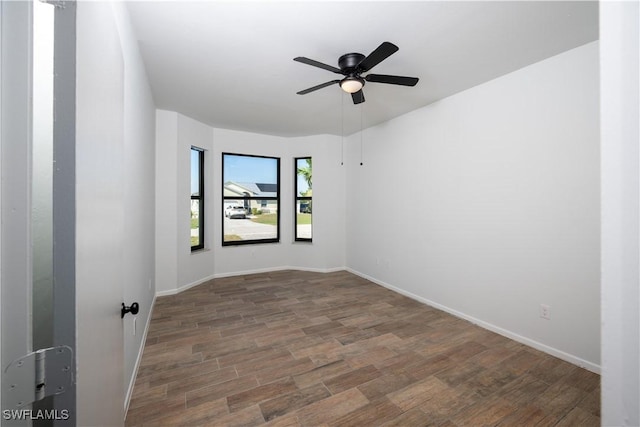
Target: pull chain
(361, 131)
(342, 133)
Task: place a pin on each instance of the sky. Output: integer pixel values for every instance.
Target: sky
(250, 169)
(241, 169)
(194, 171)
(302, 184)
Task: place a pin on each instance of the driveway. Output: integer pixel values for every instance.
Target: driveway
(304, 231)
(249, 230)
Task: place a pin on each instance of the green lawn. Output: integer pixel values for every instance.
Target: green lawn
(271, 219)
(194, 223)
(231, 237)
(304, 218)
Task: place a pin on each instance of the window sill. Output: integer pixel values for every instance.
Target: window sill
(200, 251)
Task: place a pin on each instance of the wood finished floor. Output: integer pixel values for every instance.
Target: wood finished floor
(296, 348)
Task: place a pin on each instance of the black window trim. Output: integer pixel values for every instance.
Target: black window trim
(201, 199)
(277, 199)
(299, 198)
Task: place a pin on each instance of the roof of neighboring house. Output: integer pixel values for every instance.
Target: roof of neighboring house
(255, 189)
(267, 188)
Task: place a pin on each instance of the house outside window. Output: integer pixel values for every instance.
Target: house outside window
(197, 199)
(303, 199)
(251, 199)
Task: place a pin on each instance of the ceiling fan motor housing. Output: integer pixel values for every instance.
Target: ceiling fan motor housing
(349, 62)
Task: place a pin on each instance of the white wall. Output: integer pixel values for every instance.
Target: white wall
(486, 204)
(192, 267)
(178, 268)
(166, 200)
(139, 195)
(620, 71)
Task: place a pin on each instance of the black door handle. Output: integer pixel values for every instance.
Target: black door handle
(133, 309)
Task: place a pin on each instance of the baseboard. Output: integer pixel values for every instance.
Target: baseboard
(272, 269)
(489, 326)
(255, 271)
(184, 287)
(243, 273)
(134, 375)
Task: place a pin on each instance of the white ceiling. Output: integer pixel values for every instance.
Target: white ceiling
(230, 64)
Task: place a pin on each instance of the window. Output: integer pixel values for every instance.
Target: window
(197, 198)
(303, 169)
(250, 199)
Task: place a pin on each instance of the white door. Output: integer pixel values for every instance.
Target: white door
(100, 215)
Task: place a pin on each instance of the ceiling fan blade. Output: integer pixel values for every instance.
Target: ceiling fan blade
(317, 64)
(320, 86)
(381, 53)
(392, 80)
(358, 97)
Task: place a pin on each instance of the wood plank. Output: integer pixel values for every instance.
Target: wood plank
(374, 413)
(413, 417)
(258, 394)
(321, 373)
(206, 413)
(385, 385)
(352, 379)
(332, 408)
(487, 413)
(289, 402)
(416, 393)
(222, 390)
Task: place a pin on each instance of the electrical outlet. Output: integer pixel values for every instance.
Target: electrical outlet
(545, 311)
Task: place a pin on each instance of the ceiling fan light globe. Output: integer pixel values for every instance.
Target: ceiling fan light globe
(351, 84)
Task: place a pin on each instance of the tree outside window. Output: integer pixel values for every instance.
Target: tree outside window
(303, 202)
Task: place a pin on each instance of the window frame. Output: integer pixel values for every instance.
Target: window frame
(200, 198)
(298, 198)
(249, 198)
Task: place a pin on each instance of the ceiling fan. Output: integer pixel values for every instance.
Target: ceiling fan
(352, 65)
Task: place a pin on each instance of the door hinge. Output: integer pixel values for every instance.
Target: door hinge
(39, 374)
